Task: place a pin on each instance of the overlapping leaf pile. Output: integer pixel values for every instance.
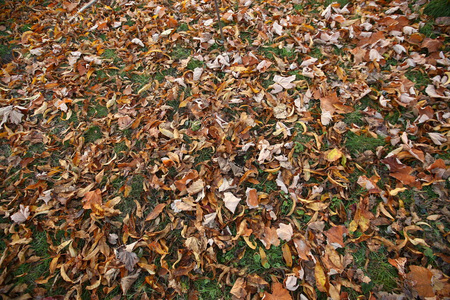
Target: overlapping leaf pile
(305, 157)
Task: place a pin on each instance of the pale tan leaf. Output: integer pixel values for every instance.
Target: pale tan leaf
(231, 201)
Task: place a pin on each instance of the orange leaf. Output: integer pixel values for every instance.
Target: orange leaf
(172, 23)
(155, 212)
(252, 198)
(335, 235)
(278, 293)
(92, 198)
(420, 278)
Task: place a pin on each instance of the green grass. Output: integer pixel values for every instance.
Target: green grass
(316, 52)
(286, 203)
(183, 27)
(179, 53)
(251, 259)
(379, 270)
(140, 80)
(355, 117)
(92, 134)
(111, 55)
(428, 29)
(360, 143)
(27, 273)
(137, 186)
(194, 63)
(161, 75)
(269, 52)
(211, 289)
(420, 79)
(341, 2)
(120, 149)
(438, 8)
(5, 54)
(203, 155)
(5, 149)
(97, 110)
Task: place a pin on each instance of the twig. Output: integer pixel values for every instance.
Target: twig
(83, 9)
(218, 20)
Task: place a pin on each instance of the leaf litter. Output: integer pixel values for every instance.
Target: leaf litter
(142, 132)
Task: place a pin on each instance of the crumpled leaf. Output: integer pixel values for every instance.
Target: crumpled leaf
(252, 198)
(277, 28)
(238, 290)
(437, 138)
(22, 215)
(334, 155)
(197, 74)
(137, 42)
(285, 232)
(127, 281)
(282, 83)
(292, 283)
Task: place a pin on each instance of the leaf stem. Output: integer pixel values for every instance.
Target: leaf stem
(218, 20)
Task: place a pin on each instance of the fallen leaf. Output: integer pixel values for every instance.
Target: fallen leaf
(285, 232)
(321, 278)
(127, 281)
(278, 293)
(292, 283)
(238, 289)
(420, 280)
(22, 215)
(334, 155)
(128, 258)
(231, 201)
(155, 212)
(12, 113)
(92, 200)
(252, 198)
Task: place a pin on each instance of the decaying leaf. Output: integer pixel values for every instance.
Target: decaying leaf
(128, 258)
(127, 124)
(12, 113)
(127, 281)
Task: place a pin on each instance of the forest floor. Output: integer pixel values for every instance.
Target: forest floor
(306, 156)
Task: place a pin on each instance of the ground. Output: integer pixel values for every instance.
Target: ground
(306, 156)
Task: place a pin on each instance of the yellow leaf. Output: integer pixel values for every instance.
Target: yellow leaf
(321, 278)
(353, 226)
(251, 244)
(287, 255)
(166, 132)
(264, 260)
(334, 155)
(394, 192)
(64, 275)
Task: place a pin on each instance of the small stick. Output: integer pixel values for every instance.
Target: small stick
(218, 20)
(83, 9)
